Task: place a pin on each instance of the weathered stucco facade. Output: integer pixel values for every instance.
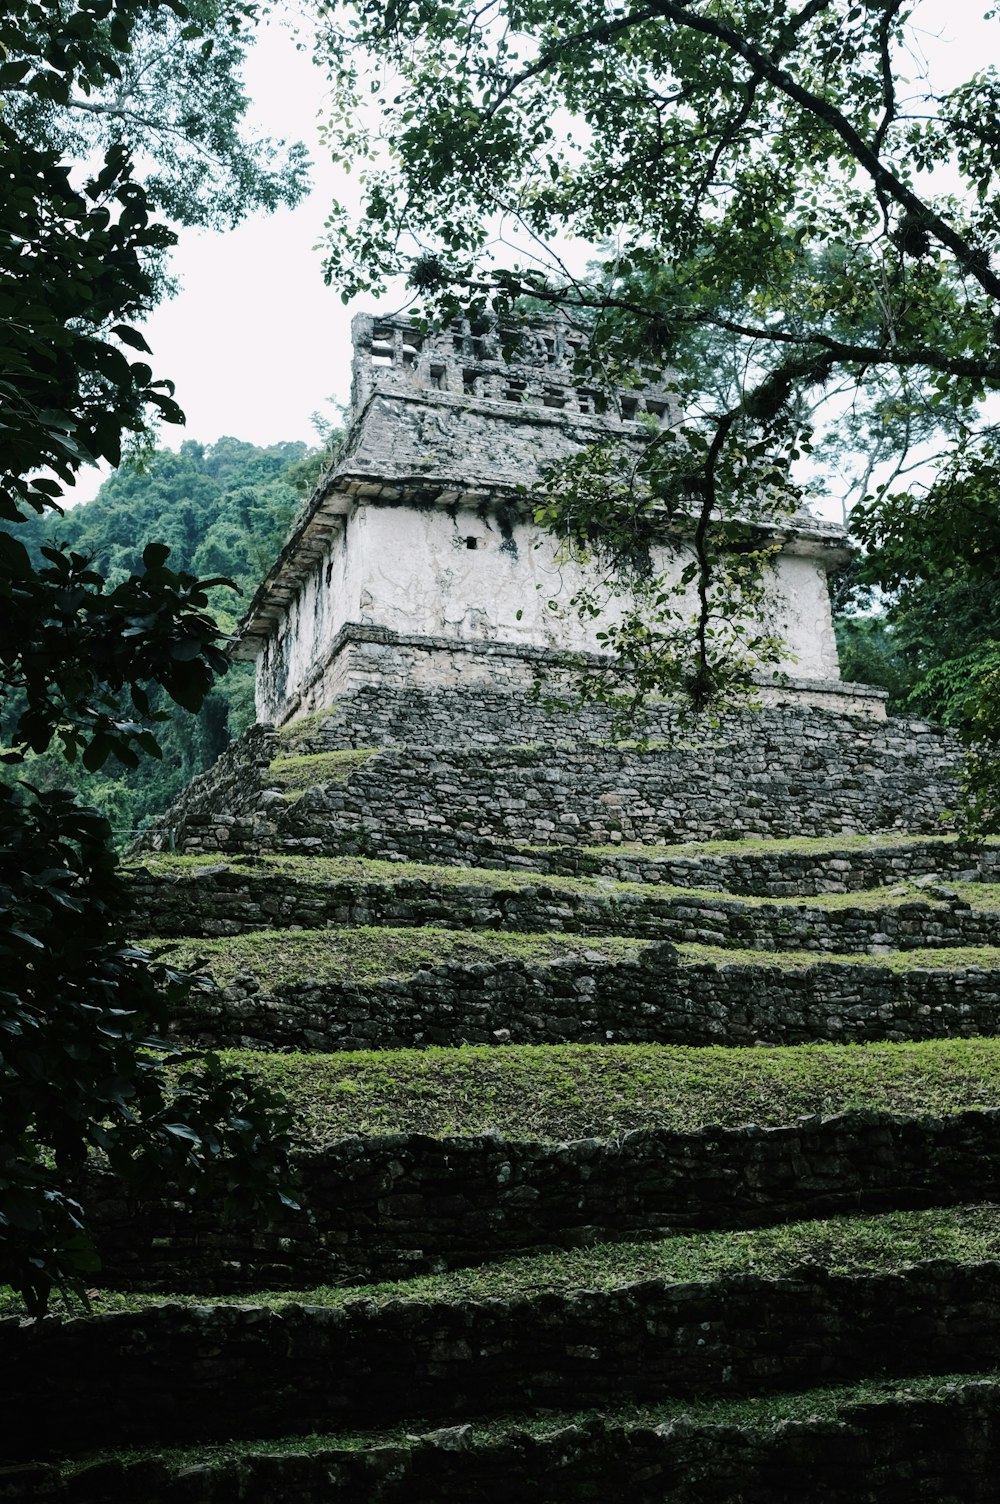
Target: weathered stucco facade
(421, 537)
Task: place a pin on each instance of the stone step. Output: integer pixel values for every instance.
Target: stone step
(386, 1206)
(401, 1177)
(773, 773)
(358, 988)
(758, 865)
(174, 896)
(380, 713)
(730, 1314)
(919, 1441)
(801, 866)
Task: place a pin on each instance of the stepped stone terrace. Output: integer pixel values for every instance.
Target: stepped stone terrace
(647, 1125)
(645, 1097)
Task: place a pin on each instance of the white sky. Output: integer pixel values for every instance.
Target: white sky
(255, 342)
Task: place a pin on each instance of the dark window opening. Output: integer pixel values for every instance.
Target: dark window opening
(472, 542)
(592, 402)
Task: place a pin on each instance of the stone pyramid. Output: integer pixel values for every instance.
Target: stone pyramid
(647, 1096)
(648, 1123)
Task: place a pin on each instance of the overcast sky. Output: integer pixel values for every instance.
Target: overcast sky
(255, 342)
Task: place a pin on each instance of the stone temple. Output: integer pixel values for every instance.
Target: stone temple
(543, 1233)
(417, 561)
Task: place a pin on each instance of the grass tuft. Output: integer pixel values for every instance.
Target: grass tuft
(757, 1413)
(828, 845)
(838, 1246)
(922, 958)
(296, 774)
(362, 953)
(550, 1093)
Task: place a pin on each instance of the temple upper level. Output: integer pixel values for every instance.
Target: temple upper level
(423, 528)
(534, 365)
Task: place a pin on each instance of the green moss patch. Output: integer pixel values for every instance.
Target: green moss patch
(294, 733)
(364, 954)
(757, 1413)
(336, 871)
(296, 774)
(828, 845)
(555, 1092)
(925, 958)
(332, 871)
(347, 871)
(840, 1245)
(985, 897)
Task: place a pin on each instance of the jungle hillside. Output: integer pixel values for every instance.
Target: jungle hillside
(223, 510)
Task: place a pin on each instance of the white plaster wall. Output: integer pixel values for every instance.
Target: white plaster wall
(803, 615)
(411, 571)
(421, 577)
(297, 650)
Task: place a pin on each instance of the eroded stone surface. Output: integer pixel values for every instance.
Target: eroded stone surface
(439, 793)
(425, 527)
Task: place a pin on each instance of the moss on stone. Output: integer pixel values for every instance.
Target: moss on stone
(754, 1413)
(294, 733)
(839, 1245)
(828, 845)
(552, 1093)
(295, 774)
(346, 871)
(362, 953)
(923, 958)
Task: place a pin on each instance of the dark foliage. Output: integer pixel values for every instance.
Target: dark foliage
(80, 658)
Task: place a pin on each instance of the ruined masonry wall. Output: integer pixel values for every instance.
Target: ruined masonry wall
(593, 1001)
(383, 1206)
(779, 772)
(481, 575)
(897, 1451)
(438, 671)
(223, 900)
(256, 1372)
(493, 701)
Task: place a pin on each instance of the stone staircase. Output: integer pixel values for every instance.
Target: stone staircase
(649, 1155)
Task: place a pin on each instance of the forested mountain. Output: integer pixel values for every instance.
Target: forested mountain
(222, 509)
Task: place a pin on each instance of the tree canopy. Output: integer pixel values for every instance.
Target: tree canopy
(786, 177)
(223, 509)
(174, 99)
(83, 1066)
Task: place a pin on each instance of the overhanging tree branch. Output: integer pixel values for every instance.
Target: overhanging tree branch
(764, 66)
(866, 156)
(928, 357)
